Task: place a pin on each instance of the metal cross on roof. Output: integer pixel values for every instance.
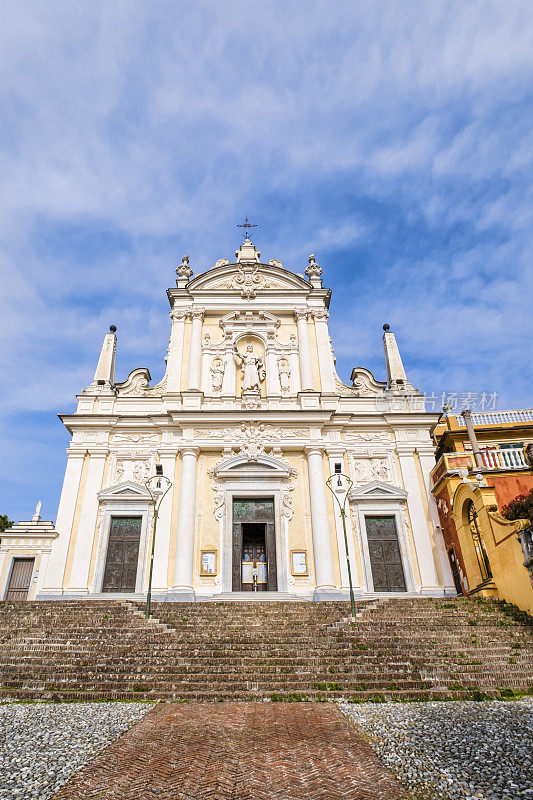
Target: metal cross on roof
(246, 225)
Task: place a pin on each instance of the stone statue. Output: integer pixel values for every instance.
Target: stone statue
(284, 375)
(253, 371)
(217, 374)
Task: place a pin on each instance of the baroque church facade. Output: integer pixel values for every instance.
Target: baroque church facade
(248, 422)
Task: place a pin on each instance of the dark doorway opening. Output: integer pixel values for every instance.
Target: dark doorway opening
(254, 577)
(254, 545)
(455, 571)
(19, 582)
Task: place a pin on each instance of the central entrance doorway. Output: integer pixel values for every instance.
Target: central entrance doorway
(254, 545)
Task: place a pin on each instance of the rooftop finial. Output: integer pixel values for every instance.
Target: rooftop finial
(246, 225)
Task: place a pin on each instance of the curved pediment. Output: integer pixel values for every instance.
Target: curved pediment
(247, 278)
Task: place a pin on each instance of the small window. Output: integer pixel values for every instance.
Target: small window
(338, 469)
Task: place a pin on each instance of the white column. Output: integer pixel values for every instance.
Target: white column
(53, 580)
(79, 576)
(325, 357)
(195, 354)
(162, 539)
(320, 521)
(306, 369)
(175, 353)
(183, 569)
(421, 535)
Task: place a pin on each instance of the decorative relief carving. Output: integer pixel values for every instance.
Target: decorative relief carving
(136, 438)
(367, 470)
(269, 432)
(126, 469)
(274, 262)
(248, 280)
(222, 262)
(367, 436)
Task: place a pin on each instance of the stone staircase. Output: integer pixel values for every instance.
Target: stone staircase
(398, 649)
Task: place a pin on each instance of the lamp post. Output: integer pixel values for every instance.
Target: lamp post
(339, 485)
(156, 489)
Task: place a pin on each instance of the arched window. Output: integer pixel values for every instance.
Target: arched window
(479, 547)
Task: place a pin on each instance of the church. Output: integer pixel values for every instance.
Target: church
(262, 446)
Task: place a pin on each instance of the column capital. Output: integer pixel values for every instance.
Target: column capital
(73, 454)
(313, 449)
(319, 313)
(197, 312)
(189, 450)
(301, 313)
(179, 313)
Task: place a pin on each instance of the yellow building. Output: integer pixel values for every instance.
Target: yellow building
(482, 465)
(247, 423)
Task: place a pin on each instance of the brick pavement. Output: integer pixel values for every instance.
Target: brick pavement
(237, 751)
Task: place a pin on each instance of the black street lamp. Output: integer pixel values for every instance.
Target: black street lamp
(339, 485)
(156, 488)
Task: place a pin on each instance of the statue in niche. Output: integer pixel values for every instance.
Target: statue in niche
(284, 375)
(217, 374)
(252, 368)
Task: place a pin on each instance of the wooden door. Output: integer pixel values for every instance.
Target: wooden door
(122, 554)
(385, 557)
(19, 582)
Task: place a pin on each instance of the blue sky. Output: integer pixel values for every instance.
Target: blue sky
(391, 139)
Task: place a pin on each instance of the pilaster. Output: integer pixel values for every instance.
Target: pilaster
(421, 535)
(195, 354)
(79, 575)
(325, 358)
(53, 580)
(304, 349)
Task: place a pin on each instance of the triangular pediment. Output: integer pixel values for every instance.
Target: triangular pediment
(125, 491)
(376, 490)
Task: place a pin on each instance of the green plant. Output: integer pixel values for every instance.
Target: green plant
(335, 687)
(321, 686)
(477, 694)
(519, 508)
(473, 622)
(362, 646)
(331, 670)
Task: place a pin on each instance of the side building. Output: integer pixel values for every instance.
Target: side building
(248, 422)
(483, 464)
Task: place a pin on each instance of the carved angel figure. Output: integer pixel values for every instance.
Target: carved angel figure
(253, 371)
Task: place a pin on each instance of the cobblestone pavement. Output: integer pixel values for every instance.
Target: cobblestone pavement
(456, 750)
(41, 746)
(239, 751)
